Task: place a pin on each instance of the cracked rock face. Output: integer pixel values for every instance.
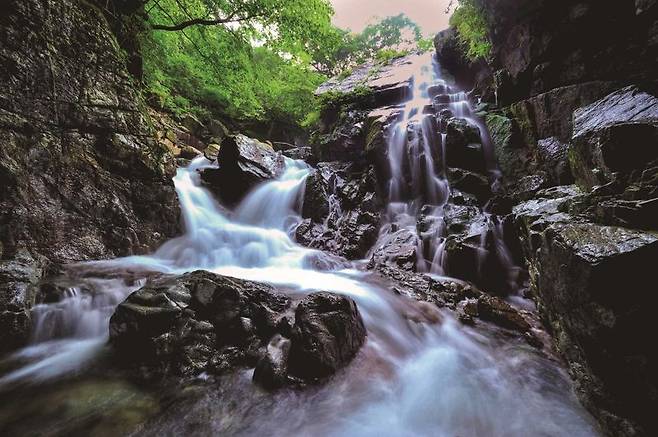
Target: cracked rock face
(82, 176)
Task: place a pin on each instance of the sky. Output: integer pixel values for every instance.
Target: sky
(356, 14)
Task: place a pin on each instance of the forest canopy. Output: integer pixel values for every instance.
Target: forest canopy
(258, 60)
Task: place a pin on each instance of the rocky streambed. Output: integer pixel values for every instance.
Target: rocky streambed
(433, 262)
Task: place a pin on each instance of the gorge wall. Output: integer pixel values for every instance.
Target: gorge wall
(82, 176)
(569, 96)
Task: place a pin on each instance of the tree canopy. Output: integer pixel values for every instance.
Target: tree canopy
(257, 60)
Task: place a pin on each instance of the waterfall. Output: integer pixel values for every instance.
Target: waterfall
(413, 376)
(418, 167)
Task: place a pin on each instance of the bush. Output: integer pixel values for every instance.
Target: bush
(471, 25)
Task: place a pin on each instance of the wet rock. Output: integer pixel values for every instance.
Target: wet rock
(272, 370)
(515, 159)
(342, 210)
(189, 152)
(469, 74)
(495, 310)
(553, 154)
(303, 153)
(379, 125)
(182, 326)
(399, 248)
(81, 173)
(550, 206)
(464, 146)
(470, 182)
(243, 163)
(617, 134)
(19, 279)
(212, 151)
(327, 335)
(342, 137)
(580, 271)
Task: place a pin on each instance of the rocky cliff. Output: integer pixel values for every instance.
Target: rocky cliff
(572, 110)
(82, 176)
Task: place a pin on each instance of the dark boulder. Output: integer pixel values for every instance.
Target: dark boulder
(185, 325)
(243, 163)
(469, 74)
(464, 146)
(327, 335)
(595, 287)
(617, 134)
(471, 183)
(182, 326)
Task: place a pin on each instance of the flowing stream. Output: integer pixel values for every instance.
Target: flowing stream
(413, 377)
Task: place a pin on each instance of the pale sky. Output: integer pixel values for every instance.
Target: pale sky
(356, 14)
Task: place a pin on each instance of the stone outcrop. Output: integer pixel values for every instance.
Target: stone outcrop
(202, 322)
(82, 175)
(357, 109)
(615, 135)
(539, 46)
(243, 163)
(341, 210)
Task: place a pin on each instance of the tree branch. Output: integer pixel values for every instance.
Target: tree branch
(204, 22)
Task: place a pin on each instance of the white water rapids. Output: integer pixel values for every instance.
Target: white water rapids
(412, 378)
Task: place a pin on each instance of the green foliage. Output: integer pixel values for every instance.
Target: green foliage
(254, 67)
(395, 33)
(425, 45)
(471, 26)
(337, 99)
(340, 50)
(384, 56)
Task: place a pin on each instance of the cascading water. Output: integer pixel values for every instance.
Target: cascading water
(414, 376)
(418, 169)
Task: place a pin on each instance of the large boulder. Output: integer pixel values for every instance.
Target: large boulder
(182, 326)
(594, 286)
(243, 163)
(185, 325)
(388, 84)
(595, 312)
(327, 334)
(617, 134)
